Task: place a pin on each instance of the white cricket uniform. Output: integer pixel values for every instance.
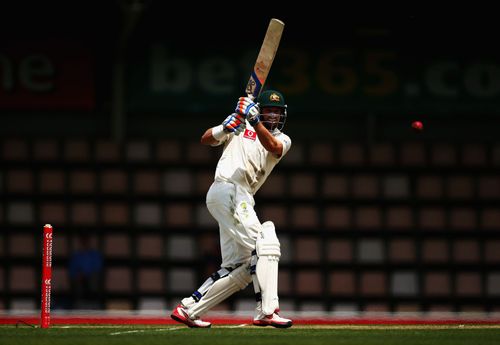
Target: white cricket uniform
(242, 169)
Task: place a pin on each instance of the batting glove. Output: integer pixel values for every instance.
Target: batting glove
(234, 123)
(247, 107)
(253, 119)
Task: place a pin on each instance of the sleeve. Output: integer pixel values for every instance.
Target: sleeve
(287, 143)
(224, 140)
(219, 135)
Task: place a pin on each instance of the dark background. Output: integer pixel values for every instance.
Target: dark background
(114, 34)
(372, 215)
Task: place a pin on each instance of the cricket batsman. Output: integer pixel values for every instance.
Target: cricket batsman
(253, 144)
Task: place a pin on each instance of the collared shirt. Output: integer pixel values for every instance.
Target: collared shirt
(245, 162)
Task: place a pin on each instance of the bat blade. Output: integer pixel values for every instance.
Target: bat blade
(265, 58)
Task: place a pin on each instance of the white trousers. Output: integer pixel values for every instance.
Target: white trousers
(233, 208)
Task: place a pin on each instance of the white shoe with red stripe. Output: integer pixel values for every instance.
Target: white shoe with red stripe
(272, 320)
(180, 314)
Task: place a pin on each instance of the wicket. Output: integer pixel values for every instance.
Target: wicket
(46, 276)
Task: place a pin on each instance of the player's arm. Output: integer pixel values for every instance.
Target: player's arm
(269, 141)
(208, 137)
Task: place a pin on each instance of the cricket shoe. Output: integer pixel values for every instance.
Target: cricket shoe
(273, 320)
(180, 314)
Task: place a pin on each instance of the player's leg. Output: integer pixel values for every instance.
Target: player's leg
(268, 254)
(236, 280)
(202, 290)
(265, 279)
(230, 258)
(261, 238)
(226, 281)
(215, 290)
(180, 312)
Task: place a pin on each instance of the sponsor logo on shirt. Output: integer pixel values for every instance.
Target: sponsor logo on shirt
(250, 135)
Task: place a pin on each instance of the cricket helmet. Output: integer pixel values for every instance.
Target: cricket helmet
(272, 99)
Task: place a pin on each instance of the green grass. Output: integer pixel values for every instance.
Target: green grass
(400, 335)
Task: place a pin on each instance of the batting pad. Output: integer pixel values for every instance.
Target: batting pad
(268, 251)
(220, 290)
(196, 296)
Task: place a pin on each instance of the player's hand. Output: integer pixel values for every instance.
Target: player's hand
(247, 107)
(234, 123)
(253, 119)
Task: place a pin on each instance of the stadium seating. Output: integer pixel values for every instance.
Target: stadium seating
(406, 226)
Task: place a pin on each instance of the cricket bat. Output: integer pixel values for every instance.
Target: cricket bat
(265, 58)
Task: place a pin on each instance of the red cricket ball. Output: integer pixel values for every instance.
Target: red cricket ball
(417, 125)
